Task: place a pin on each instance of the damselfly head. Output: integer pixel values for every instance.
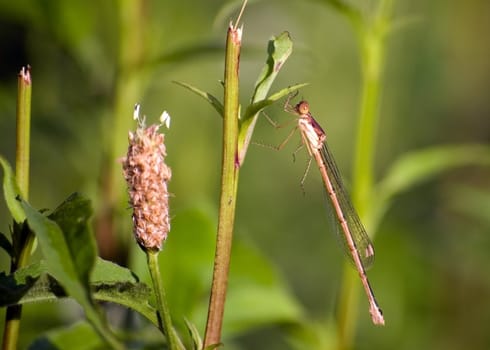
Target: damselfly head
(302, 107)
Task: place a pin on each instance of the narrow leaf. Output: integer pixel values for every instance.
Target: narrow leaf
(11, 191)
(278, 50)
(207, 96)
(419, 166)
(194, 333)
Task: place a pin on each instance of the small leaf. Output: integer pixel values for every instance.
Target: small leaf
(194, 333)
(278, 50)
(11, 191)
(207, 96)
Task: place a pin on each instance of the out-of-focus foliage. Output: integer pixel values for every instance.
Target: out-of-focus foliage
(432, 245)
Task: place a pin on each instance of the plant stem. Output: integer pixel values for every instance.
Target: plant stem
(164, 318)
(22, 159)
(229, 182)
(372, 48)
(129, 84)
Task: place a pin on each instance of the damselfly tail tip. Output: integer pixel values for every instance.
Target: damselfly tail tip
(377, 315)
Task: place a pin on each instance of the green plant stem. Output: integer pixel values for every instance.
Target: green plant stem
(128, 87)
(363, 176)
(164, 318)
(372, 47)
(229, 182)
(22, 161)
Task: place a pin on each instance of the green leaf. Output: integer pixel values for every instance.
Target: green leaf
(58, 258)
(278, 50)
(11, 191)
(62, 261)
(108, 272)
(419, 166)
(110, 283)
(72, 216)
(21, 285)
(131, 295)
(207, 96)
(194, 333)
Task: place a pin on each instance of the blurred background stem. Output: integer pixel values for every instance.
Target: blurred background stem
(371, 40)
(128, 90)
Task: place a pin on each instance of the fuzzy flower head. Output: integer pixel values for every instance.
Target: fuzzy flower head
(147, 176)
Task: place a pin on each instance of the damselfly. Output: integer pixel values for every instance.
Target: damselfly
(353, 235)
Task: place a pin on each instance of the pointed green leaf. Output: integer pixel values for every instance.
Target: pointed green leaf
(278, 50)
(194, 333)
(416, 167)
(11, 191)
(207, 96)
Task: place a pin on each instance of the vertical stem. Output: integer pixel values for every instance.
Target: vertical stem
(372, 48)
(22, 155)
(22, 159)
(229, 182)
(129, 84)
(164, 318)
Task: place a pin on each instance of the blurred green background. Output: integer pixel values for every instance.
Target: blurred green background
(431, 274)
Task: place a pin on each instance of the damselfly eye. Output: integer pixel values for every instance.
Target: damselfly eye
(303, 107)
